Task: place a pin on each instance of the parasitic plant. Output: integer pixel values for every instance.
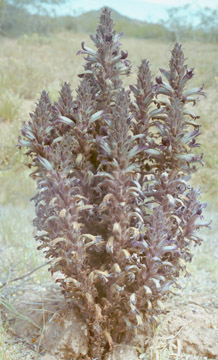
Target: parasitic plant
(115, 213)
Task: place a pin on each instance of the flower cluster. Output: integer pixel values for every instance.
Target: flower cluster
(114, 210)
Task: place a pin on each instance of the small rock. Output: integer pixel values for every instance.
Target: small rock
(65, 338)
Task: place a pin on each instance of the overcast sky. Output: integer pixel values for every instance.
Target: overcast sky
(151, 10)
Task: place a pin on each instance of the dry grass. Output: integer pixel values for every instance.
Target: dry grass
(30, 64)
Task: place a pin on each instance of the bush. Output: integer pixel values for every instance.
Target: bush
(114, 210)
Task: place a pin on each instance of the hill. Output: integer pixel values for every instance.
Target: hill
(16, 21)
(87, 22)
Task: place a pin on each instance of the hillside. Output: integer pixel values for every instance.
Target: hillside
(87, 22)
(16, 21)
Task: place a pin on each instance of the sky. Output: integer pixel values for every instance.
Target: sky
(149, 10)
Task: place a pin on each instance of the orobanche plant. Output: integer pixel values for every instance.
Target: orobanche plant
(115, 213)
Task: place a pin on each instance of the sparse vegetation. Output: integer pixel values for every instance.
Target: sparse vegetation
(10, 104)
